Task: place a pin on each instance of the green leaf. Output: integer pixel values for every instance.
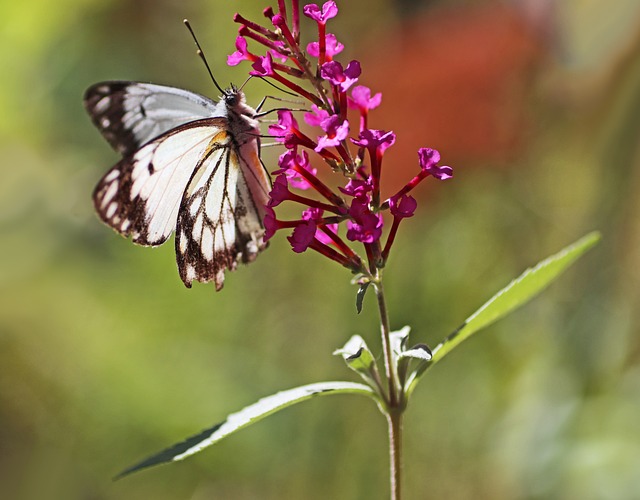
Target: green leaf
(362, 291)
(247, 416)
(398, 341)
(420, 352)
(356, 354)
(358, 357)
(515, 294)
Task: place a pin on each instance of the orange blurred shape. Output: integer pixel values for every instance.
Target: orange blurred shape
(456, 80)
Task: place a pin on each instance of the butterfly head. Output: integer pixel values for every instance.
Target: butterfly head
(235, 101)
(232, 96)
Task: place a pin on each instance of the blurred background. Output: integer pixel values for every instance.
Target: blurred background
(105, 357)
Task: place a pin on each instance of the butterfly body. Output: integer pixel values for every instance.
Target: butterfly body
(190, 166)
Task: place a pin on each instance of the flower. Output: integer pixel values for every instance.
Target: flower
(329, 10)
(402, 207)
(280, 52)
(335, 74)
(270, 223)
(263, 66)
(286, 125)
(376, 141)
(242, 54)
(358, 188)
(315, 214)
(361, 99)
(317, 116)
(279, 192)
(429, 159)
(336, 130)
(332, 47)
(365, 226)
(303, 235)
(290, 162)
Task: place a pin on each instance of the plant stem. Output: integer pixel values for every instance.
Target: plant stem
(386, 345)
(395, 405)
(394, 418)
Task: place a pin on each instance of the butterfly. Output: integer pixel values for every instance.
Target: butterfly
(189, 165)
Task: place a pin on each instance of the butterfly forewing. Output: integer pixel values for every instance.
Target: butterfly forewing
(130, 114)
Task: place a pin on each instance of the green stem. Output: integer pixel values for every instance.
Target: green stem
(393, 398)
(394, 407)
(394, 419)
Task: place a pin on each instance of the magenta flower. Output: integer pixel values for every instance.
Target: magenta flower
(317, 116)
(279, 52)
(263, 66)
(403, 207)
(429, 159)
(332, 47)
(270, 223)
(376, 141)
(242, 54)
(361, 99)
(336, 130)
(315, 214)
(335, 74)
(285, 126)
(365, 226)
(279, 192)
(303, 235)
(329, 10)
(358, 188)
(289, 162)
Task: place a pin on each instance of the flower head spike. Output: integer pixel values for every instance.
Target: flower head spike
(270, 223)
(358, 188)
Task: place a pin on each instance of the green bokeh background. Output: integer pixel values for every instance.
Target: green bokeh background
(105, 357)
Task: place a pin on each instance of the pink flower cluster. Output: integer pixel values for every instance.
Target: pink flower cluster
(332, 90)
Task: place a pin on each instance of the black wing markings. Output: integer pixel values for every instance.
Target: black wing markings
(130, 114)
(206, 247)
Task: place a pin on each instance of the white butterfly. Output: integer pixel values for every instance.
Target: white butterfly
(190, 165)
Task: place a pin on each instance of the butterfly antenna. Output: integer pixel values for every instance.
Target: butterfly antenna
(200, 53)
(279, 88)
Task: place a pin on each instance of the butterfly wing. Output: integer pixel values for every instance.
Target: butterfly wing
(130, 114)
(189, 165)
(220, 218)
(141, 195)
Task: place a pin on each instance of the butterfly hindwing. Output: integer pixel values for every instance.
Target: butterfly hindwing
(219, 221)
(130, 114)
